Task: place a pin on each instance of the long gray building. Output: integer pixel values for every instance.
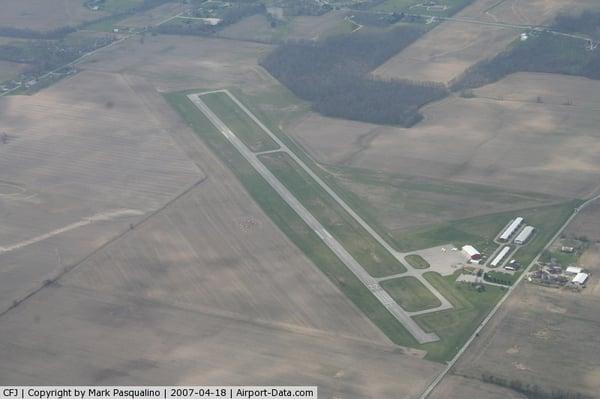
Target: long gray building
(525, 235)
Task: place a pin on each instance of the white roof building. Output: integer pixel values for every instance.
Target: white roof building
(510, 229)
(471, 252)
(524, 235)
(573, 270)
(501, 255)
(580, 278)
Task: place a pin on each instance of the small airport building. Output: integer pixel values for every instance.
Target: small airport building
(471, 253)
(524, 235)
(512, 227)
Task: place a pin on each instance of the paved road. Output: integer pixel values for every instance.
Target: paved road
(386, 300)
(416, 273)
(498, 24)
(451, 364)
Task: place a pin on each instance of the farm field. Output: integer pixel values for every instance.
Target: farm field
(106, 164)
(129, 338)
(494, 142)
(240, 284)
(10, 70)
(257, 28)
(43, 15)
(139, 246)
(446, 51)
(152, 16)
(176, 64)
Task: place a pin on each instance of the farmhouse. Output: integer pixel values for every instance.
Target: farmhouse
(524, 235)
(573, 270)
(471, 253)
(510, 229)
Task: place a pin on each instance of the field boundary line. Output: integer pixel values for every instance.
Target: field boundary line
(50, 281)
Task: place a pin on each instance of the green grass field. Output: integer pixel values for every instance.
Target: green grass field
(455, 326)
(358, 242)
(239, 122)
(291, 224)
(417, 261)
(410, 293)
(481, 230)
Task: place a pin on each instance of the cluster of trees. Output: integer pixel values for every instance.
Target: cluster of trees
(588, 23)
(366, 4)
(532, 391)
(333, 76)
(230, 15)
(46, 55)
(305, 7)
(499, 278)
(542, 52)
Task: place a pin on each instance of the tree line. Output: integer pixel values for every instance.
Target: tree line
(532, 390)
(231, 15)
(333, 75)
(541, 52)
(588, 22)
(45, 55)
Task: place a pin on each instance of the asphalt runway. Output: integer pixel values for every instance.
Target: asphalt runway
(386, 300)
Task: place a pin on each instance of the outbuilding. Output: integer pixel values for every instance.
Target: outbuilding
(511, 229)
(573, 270)
(500, 257)
(580, 278)
(524, 235)
(471, 253)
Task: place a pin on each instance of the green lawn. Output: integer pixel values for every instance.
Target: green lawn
(239, 122)
(410, 293)
(357, 241)
(417, 261)
(291, 224)
(455, 326)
